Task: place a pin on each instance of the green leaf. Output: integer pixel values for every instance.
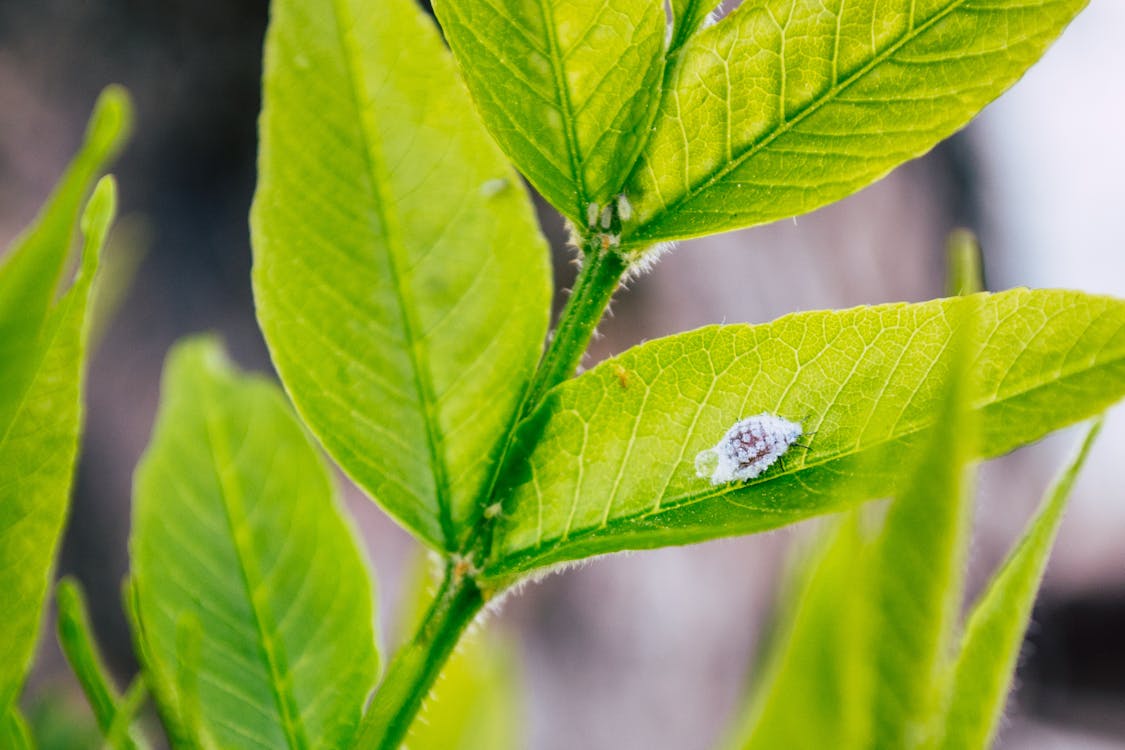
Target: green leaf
(900, 591)
(238, 535)
(14, 734)
(77, 641)
(787, 105)
(42, 359)
(687, 17)
(165, 699)
(815, 684)
(36, 261)
(995, 629)
(568, 87)
(613, 467)
(399, 277)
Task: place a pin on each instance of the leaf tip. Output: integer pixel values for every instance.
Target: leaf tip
(112, 120)
(965, 274)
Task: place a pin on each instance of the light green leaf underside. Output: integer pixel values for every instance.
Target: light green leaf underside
(42, 359)
(787, 105)
(239, 538)
(687, 17)
(567, 87)
(614, 466)
(991, 644)
(399, 277)
(814, 685)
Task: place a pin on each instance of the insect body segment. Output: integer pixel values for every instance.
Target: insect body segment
(748, 448)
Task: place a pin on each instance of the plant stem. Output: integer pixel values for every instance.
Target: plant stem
(596, 283)
(417, 664)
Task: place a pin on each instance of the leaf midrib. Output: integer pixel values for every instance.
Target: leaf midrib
(524, 558)
(570, 135)
(231, 499)
(681, 32)
(396, 255)
(639, 234)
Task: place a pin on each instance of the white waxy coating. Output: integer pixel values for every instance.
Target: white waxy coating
(749, 447)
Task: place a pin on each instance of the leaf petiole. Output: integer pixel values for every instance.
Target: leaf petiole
(597, 281)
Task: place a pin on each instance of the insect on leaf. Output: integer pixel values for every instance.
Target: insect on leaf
(604, 469)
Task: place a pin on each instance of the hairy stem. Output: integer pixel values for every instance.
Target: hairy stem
(596, 283)
(418, 663)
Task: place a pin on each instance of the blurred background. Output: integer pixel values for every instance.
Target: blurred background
(649, 650)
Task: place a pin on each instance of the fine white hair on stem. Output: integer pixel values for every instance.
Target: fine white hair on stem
(642, 263)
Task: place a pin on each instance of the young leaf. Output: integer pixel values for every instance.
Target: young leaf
(42, 358)
(77, 641)
(399, 277)
(918, 560)
(785, 106)
(118, 734)
(34, 265)
(815, 687)
(995, 629)
(236, 528)
(614, 466)
(568, 87)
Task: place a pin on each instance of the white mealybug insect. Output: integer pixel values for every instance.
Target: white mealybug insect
(750, 446)
(624, 208)
(493, 187)
(592, 212)
(606, 218)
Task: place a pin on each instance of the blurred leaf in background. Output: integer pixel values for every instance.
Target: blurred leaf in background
(866, 649)
(43, 334)
(251, 597)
